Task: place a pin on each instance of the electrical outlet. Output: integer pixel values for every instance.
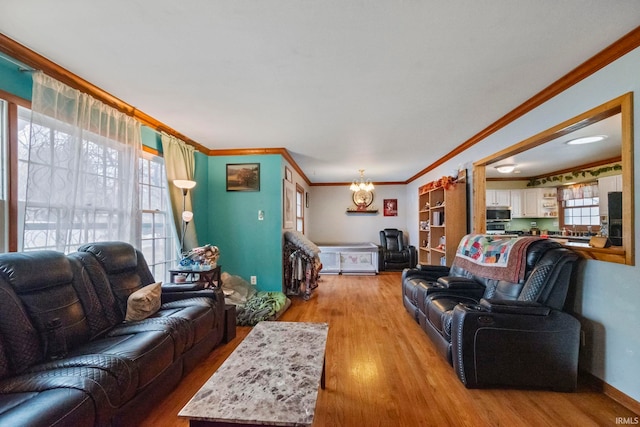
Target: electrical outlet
(254, 280)
(260, 215)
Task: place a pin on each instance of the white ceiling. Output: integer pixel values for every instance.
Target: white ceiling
(388, 86)
(557, 155)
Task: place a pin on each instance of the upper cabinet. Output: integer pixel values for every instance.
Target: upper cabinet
(525, 203)
(498, 198)
(605, 186)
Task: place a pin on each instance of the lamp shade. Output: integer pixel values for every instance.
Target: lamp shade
(184, 184)
(187, 216)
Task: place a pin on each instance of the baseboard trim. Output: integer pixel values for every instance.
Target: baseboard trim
(610, 391)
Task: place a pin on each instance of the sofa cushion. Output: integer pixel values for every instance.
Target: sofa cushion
(43, 284)
(144, 302)
(53, 407)
(200, 312)
(93, 288)
(115, 257)
(106, 390)
(20, 340)
(125, 269)
(151, 351)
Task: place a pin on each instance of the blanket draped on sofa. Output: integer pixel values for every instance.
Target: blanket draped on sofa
(500, 259)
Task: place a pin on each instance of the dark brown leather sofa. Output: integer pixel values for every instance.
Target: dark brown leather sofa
(68, 358)
(496, 332)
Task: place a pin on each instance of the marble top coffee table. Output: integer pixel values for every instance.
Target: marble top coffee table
(271, 378)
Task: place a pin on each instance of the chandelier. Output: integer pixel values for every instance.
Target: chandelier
(362, 184)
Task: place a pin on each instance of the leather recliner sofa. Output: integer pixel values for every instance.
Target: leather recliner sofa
(496, 332)
(67, 355)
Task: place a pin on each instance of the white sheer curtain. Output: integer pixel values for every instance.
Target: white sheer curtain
(82, 183)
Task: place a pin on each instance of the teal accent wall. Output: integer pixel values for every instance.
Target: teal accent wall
(151, 138)
(14, 81)
(248, 246)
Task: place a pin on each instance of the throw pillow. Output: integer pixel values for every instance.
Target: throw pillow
(144, 302)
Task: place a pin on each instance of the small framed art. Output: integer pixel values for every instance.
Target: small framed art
(243, 177)
(390, 207)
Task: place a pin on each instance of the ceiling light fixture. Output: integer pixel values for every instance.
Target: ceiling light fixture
(361, 184)
(587, 140)
(505, 168)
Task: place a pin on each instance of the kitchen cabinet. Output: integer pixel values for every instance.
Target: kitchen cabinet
(516, 203)
(605, 186)
(498, 198)
(534, 203)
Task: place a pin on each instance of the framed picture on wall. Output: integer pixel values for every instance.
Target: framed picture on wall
(243, 177)
(288, 204)
(390, 207)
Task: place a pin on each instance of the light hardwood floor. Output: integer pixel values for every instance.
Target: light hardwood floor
(383, 371)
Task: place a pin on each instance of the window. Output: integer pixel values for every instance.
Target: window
(580, 205)
(585, 211)
(156, 232)
(49, 222)
(299, 208)
(158, 235)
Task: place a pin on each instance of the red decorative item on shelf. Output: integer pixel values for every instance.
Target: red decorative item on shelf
(446, 182)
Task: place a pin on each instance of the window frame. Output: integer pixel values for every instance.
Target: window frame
(299, 208)
(159, 264)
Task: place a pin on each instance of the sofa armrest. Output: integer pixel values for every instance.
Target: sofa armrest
(179, 292)
(426, 272)
(182, 287)
(514, 307)
(504, 349)
(456, 282)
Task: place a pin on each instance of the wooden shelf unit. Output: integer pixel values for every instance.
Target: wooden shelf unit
(442, 220)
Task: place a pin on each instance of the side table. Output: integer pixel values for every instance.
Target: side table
(208, 277)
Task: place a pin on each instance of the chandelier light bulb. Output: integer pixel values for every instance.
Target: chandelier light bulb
(361, 184)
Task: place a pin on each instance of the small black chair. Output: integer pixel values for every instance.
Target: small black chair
(396, 255)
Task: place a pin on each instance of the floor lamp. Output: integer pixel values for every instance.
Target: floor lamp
(185, 185)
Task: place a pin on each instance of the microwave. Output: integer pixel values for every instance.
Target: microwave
(498, 213)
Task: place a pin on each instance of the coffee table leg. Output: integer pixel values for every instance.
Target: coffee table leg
(322, 380)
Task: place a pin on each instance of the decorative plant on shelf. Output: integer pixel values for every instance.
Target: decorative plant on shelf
(573, 175)
(446, 182)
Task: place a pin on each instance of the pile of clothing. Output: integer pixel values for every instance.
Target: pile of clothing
(252, 306)
(262, 306)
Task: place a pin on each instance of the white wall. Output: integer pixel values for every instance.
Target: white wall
(329, 222)
(608, 294)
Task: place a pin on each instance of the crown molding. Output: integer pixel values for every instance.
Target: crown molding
(340, 184)
(261, 152)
